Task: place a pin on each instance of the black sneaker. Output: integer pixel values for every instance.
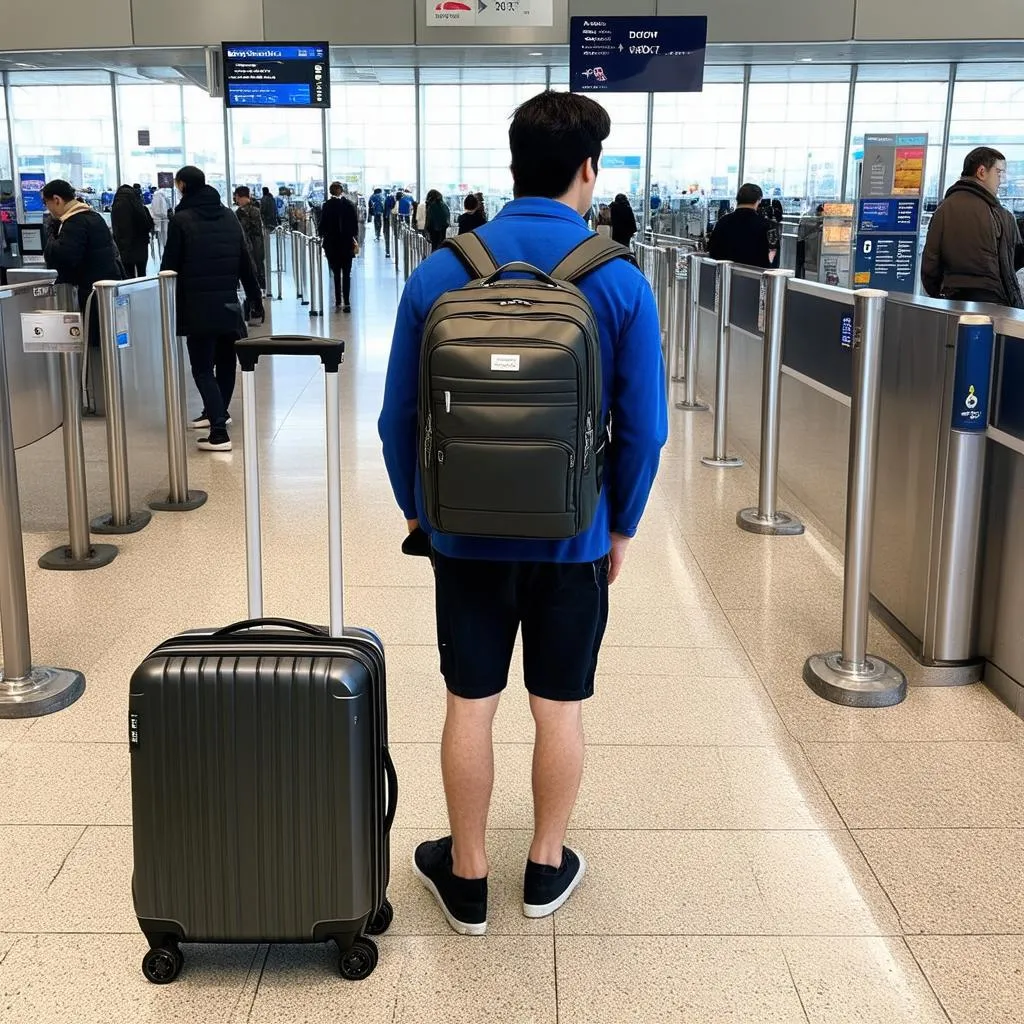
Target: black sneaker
(462, 900)
(347, 308)
(545, 888)
(216, 442)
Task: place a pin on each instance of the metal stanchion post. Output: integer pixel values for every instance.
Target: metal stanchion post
(691, 335)
(25, 691)
(281, 251)
(303, 269)
(296, 261)
(268, 267)
(316, 277)
(852, 676)
(671, 319)
(680, 305)
(720, 457)
(121, 518)
(766, 518)
(178, 497)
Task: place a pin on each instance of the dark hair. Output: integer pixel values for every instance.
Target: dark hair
(266, 191)
(621, 199)
(551, 135)
(820, 208)
(983, 156)
(336, 188)
(377, 191)
(471, 203)
(59, 189)
(243, 191)
(748, 195)
(191, 177)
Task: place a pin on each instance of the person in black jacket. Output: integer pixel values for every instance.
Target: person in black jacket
(339, 229)
(79, 247)
(268, 210)
(744, 236)
(474, 217)
(132, 226)
(623, 220)
(207, 250)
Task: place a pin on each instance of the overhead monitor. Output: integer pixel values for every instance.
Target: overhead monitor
(290, 75)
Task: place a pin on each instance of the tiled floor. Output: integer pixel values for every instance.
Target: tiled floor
(756, 854)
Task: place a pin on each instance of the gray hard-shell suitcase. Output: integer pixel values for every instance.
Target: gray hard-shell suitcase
(263, 792)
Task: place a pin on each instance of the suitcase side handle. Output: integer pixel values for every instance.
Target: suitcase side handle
(247, 624)
(330, 351)
(389, 769)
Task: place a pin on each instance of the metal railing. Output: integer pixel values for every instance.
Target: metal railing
(413, 248)
(720, 457)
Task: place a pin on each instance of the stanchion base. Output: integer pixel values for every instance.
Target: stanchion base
(729, 462)
(692, 406)
(41, 692)
(878, 685)
(316, 312)
(136, 521)
(62, 559)
(195, 500)
(782, 524)
(304, 302)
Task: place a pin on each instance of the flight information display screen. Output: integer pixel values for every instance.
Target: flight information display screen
(277, 75)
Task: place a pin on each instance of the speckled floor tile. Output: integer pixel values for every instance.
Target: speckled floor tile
(978, 978)
(32, 856)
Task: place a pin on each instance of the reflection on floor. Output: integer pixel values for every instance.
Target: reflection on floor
(757, 854)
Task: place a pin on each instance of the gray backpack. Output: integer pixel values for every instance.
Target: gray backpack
(511, 438)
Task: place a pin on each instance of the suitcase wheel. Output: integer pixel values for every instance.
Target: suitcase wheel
(359, 960)
(163, 964)
(381, 921)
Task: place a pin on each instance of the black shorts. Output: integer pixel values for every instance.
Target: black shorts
(561, 606)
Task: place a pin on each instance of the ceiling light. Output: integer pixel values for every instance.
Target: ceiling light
(806, 60)
(536, 55)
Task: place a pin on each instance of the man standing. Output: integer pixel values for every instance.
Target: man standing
(389, 221)
(251, 220)
(376, 209)
(557, 591)
(744, 236)
(207, 250)
(338, 228)
(974, 249)
(80, 247)
(268, 210)
(160, 211)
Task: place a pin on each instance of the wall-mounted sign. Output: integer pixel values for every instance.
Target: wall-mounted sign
(32, 183)
(611, 162)
(889, 212)
(51, 331)
(490, 13)
(277, 74)
(640, 54)
(143, 136)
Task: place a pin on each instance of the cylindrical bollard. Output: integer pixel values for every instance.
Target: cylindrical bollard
(766, 518)
(316, 277)
(680, 304)
(851, 676)
(720, 457)
(691, 335)
(282, 249)
(297, 262)
(121, 518)
(303, 269)
(268, 267)
(178, 497)
(25, 692)
(671, 318)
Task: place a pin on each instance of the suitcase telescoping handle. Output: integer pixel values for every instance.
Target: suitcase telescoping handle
(330, 353)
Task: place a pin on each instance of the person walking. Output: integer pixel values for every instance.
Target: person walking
(744, 236)
(389, 222)
(439, 219)
(974, 250)
(473, 218)
(623, 220)
(556, 591)
(208, 251)
(268, 210)
(375, 208)
(251, 219)
(132, 227)
(339, 229)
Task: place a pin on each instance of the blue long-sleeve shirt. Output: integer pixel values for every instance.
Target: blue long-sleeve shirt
(541, 232)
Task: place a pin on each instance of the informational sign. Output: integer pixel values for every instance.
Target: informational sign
(762, 303)
(121, 313)
(490, 13)
(165, 179)
(32, 183)
(846, 331)
(611, 162)
(143, 136)
(889, 212)
(32, 245)
(51, 331)
(641, 54)
(975, 339)
(277, 75)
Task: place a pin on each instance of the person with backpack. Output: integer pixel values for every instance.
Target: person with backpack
(439, 219)
(132, 226)
(375, 206)
(528, 496)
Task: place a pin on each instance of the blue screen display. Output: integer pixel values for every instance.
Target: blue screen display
(642, 54)
(277, 75)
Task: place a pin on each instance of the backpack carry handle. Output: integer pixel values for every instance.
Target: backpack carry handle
(519, 267)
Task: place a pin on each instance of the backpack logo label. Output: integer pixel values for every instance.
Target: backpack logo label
(505, 363)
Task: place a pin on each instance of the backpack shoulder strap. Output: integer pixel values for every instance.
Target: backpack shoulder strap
(473, 254)
(592, 253)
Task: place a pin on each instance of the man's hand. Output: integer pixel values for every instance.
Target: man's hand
(617, 556)
(412, 524)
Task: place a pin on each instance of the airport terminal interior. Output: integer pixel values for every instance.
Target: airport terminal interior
(762, 846)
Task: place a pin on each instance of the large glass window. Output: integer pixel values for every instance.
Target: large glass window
(989, 113)
(151, 131)
(909, 99)
(796, 134)
(372, 135)
(62, 125)
(204, 136)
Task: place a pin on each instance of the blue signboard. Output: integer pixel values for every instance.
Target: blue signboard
(886, 261)
(277, 75)
(31, 191)
(846, 331)
(974, 343)
(887, 215)
(643, 54)
(609, 161)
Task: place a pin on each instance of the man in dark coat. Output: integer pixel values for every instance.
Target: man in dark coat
(132, 226)
(79, 247)
(207, 250)
(268, 210)
(339, 229)
(251, 219)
